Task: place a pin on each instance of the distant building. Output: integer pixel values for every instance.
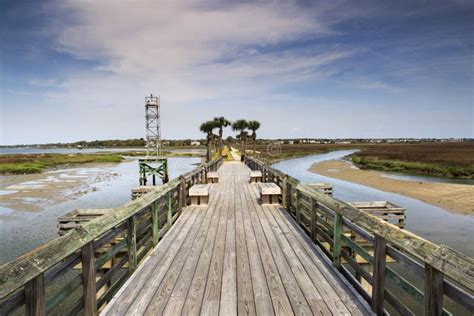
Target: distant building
(195, 143)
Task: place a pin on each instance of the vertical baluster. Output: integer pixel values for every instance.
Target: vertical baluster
(378, 287)
(34, 296)
(88, 279)
(434, 280)
(336, 249)
(314, 219)
(169, 209)
(154, 222)
(182, 194)
(298, 206)
(132, 244)
(285, 192)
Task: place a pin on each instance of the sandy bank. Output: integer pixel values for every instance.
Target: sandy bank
(456, 198)
(35, 192)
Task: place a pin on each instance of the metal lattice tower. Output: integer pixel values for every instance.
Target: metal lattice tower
(154, 165)
(153, 130)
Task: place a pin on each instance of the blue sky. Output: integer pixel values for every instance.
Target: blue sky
(79, 70)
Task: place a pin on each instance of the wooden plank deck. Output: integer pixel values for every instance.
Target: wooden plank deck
(235, 256)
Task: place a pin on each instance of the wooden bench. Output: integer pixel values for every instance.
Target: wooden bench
(269, 193)
(199, 194)
(256, 176)
(212, 177)
(325, 188)
(141, 190)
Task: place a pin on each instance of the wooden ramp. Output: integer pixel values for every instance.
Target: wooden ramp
(235, 256)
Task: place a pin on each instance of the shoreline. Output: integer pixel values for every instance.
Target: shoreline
(455, 198)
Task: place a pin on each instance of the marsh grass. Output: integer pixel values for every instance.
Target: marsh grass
(433, 169)
(24, 164)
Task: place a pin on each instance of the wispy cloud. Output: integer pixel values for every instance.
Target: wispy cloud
(315, 65)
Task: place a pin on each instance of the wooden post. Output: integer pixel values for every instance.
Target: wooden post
(336, 249)
(180, 195)
(88, 279)
(288, 196)
(132, 244)
(285, 192)
(434, 280)
(154, 222)
(314, 220)
(378, 287)
(170, 209)
(184, 201)
(298, 207)
(34, 296)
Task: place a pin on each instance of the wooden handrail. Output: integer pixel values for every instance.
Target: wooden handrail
(453, 264)
(20, 271)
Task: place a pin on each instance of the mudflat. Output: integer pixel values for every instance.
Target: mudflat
(35, 192)
(456, 198)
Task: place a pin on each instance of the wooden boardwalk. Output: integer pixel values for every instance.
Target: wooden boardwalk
(235, 256)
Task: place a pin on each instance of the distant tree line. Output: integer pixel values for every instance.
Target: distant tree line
(135, 142)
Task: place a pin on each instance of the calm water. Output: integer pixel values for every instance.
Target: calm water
(23, 231)
(33, 150)
(428, 221)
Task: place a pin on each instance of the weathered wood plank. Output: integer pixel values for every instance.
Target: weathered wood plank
(323, 290)
(160, 296)
(245, 301)
(280, 300)
(182, 286)
(261, 288)
(170, 243)
(335, 282)
(212, 293)
(228, 298)
(192, 305)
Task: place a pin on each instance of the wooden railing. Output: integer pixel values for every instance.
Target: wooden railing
(82, 270)
(408, 272)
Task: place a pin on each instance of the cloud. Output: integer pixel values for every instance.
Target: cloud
(173, 35)
(187, 51)
(319, 65)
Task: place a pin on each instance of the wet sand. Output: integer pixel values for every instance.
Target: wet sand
(35, 192)
(456, 198)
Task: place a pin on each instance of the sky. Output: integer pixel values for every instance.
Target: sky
(75, 70)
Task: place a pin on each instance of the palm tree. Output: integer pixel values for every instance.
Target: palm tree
(241, 126)
(221, 122)
(207, 128)
(253, 126)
